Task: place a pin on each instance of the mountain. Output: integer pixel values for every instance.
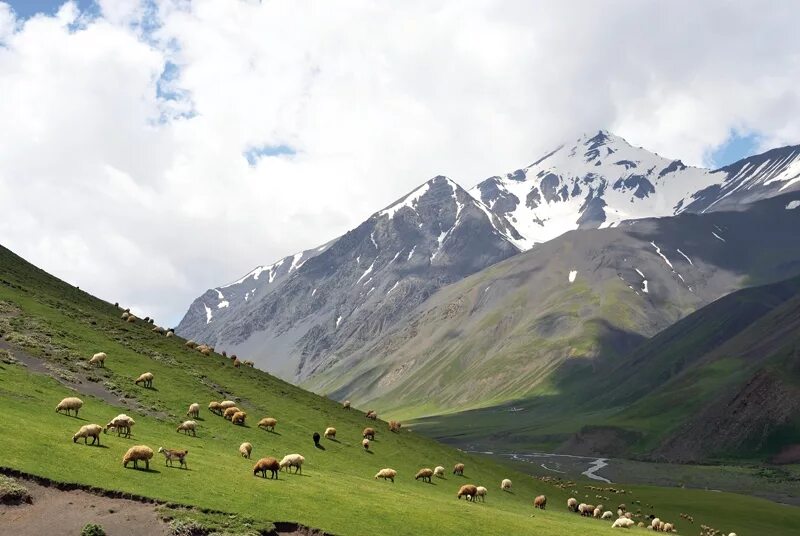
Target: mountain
(295, 316)
(600, 180)
(535, 324)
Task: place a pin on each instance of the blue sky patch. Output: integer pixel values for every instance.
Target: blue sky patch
(254, 154)
(25, 9)
(738, 145)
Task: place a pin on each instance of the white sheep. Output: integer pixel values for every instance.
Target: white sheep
(330, 433)
(481, 493)
(225, 404)
(194, 410)
(293, 460)
(365, 443)
(438, 471)
(245, 449)
(386, 474)
(98, 359)
(70, 403)
(505, 485)
(146, 379)
(86, 431)
(607, 515)
(136, 454)
(122, 424)
(186, 427)
(623, 523)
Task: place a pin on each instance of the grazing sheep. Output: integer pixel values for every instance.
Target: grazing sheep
(239, 417)
(607, 515)
(70, 403)
(98, 359)
(122, 424)
(267, 464)
(194, 410)
(86, 431)
(159, 330)
(330, 433)
(170, 334)
(293, 460)
(505, 485)
(654, 523)
(191, 344)
(230, 412)
(458, 469)
(386, 474)
(468, 491)
(540, 502)
(586, 510)
(732, 534)
(146, 379)
(186, 427)
(372, 415)
(365, 443)
(623, 523)
(245, 449)
(669, 527)
(572, 504)
(125, 315)
(598, 512)
(206, 351)
(237, 363)
(369, 433)
(438, 471)
(225, 404)
(131, 319)
(346, 404)
(425, 474)
(268, 423)
(394, 426)
(248, 363)
(171, 455)
(136, 454)
(224, 353)
(316, 437)
(481, 492)
(215, 407)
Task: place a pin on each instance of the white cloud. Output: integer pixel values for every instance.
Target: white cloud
(144, 197)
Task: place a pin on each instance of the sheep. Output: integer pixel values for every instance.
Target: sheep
(607, 515)
(122, 424)
(346, 404)
(438, 471)
(224, 353)
(125, 315)
(468, 491)
(186, 427)
(159, 330)
(225, 404)
(267, 464)
(239, 417)
(131, 319)
(371, 415)
(230, 412)
(540, 502)
(214, 407)
(171, 455)
(236, 363)
(654, 523)
(623, 523)
(505, 485)
(330, 433)
(98, 359)
(598, 512)
(669, 527)
(365, 443)
(249, 363)
(369, 433)
(86, 431)
(458, 469)
(194, 410)
(425, 474)
(190, 344)
(146, 379)
(268, 423)
(68, 404)
(394, 426)
(206, 351)
(316, 437)
(586, 510)
(170, 334)
(481, 492)
(136, 454)
(245, 449)
(293, 460)
(572, 504)
(386, 474)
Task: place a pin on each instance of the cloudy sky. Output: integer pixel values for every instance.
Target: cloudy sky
(150, 150)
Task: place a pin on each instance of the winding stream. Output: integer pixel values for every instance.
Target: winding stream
(559, 463)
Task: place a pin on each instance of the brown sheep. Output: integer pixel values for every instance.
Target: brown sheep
(394, 426)
(540, 502)
(239, 417)
(230, 412)
(468, 491)
(425, 474)
(267, 464)
(369, 433)
(268, 423)
(458, 469)
(371, 415)
(136, 454)
(214, 407)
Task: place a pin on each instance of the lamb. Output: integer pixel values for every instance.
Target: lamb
(607, 515)
(365, 443)
(293, 460)
(330, 433)
(230, 412)
(540, 502)
(136, 454)
(70, 403)
(481, 492)
(386, 474)
(468, 491)
(239, 417)
(146, 379)
(438, 471)
(171, 455)
(622, 523)
(98, 359)
(215, 407)
(346, 404)
(122, 424)
(458, 469)
(225, 404)
(245, 449)
(505, 485)
(369, 433)
(86, 431)
(268, 423)
(267, 464)
(187, 426)
(572, 504)
(394, 426)
(194, 410)
(425, 474)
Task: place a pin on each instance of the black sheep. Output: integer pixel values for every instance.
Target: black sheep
(316, 439)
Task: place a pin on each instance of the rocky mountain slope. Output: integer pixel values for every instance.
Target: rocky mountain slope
(295, 315)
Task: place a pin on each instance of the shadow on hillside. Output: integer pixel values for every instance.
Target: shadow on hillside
(320, 447)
